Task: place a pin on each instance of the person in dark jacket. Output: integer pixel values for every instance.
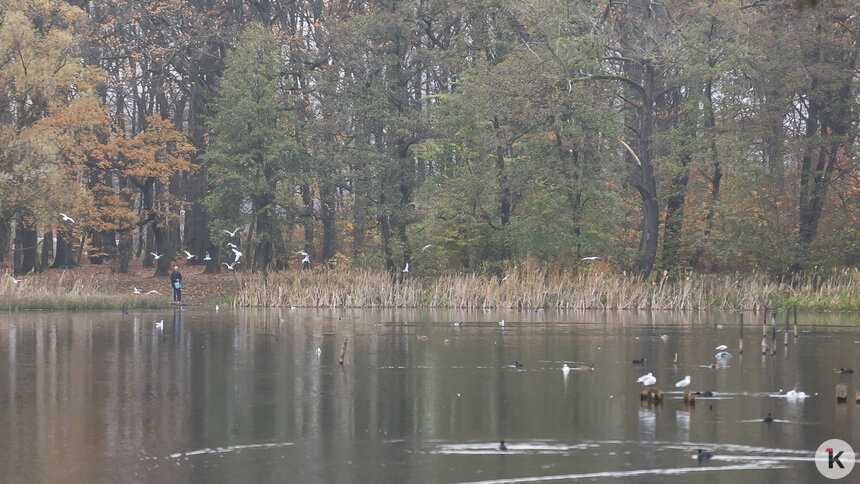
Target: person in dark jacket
(175, 281)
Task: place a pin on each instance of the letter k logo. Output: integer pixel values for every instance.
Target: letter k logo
(834, 458)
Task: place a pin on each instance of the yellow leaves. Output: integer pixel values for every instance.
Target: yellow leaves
(41, 60)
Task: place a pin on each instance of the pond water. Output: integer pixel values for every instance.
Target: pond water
(259, 396)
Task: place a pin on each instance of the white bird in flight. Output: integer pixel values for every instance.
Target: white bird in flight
(306, 259)
(207, 256)
(426, 247)
(233, 233)
(505, 278)
(230, 266)
(159, 325)
(590, 258)
(301, 252)
(231, 244)
(237, 254)
(406, 269)
(189, 255)
(137, 291)
(66, 218)
(683, 383)
(15, 281)
(721, 348)
(157, 256)
(154, 292)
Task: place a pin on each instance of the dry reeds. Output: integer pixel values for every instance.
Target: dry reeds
(67, 293)
(529, 287)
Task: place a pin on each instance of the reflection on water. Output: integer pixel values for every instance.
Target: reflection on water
(259, 396)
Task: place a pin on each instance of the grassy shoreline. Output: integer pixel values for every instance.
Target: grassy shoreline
(527, 287)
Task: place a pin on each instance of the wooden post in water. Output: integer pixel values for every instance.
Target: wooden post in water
(741, 336)
(773, 334)
(795, 321)
(786, 328)
(343, 350)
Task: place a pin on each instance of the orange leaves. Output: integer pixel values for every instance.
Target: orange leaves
(157, 153)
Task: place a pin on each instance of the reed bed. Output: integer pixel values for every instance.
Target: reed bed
(64, 292)
(529, 287)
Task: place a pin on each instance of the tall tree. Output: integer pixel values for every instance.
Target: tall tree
(149, 160)
(251, 153)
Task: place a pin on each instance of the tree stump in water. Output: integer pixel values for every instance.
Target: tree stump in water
(343, 351)
(841, 392)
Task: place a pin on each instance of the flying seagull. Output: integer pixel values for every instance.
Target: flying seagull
(16, 281)
(426, 247)
(66, 218)
(504, 279)
(406, 269)
(157, 256)
(188, 255)
(159, 325)
(721, 348)
(233, 233)
(590, 258)
(306, 259)
(301, 252)
(137, 291)
(207, 256)
(230, 266)
(238, 254)
(231, 244)
(154, 292)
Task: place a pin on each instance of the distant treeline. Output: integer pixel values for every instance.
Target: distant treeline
(437, 136)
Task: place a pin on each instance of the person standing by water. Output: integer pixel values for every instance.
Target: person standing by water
(175, 281)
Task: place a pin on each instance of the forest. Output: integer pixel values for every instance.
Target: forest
(660, 136)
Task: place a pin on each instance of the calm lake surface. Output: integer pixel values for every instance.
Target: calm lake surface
(245, 396)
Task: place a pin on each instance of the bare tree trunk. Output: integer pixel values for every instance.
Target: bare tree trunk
(716, 178)
(646, 182)
(264, 250)
(308, 216)
(162, 246)
(213, 266)
(328, 209)
(27, 243)
(5, 240)
(65, 244)
(47, 249)
(504, 196)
